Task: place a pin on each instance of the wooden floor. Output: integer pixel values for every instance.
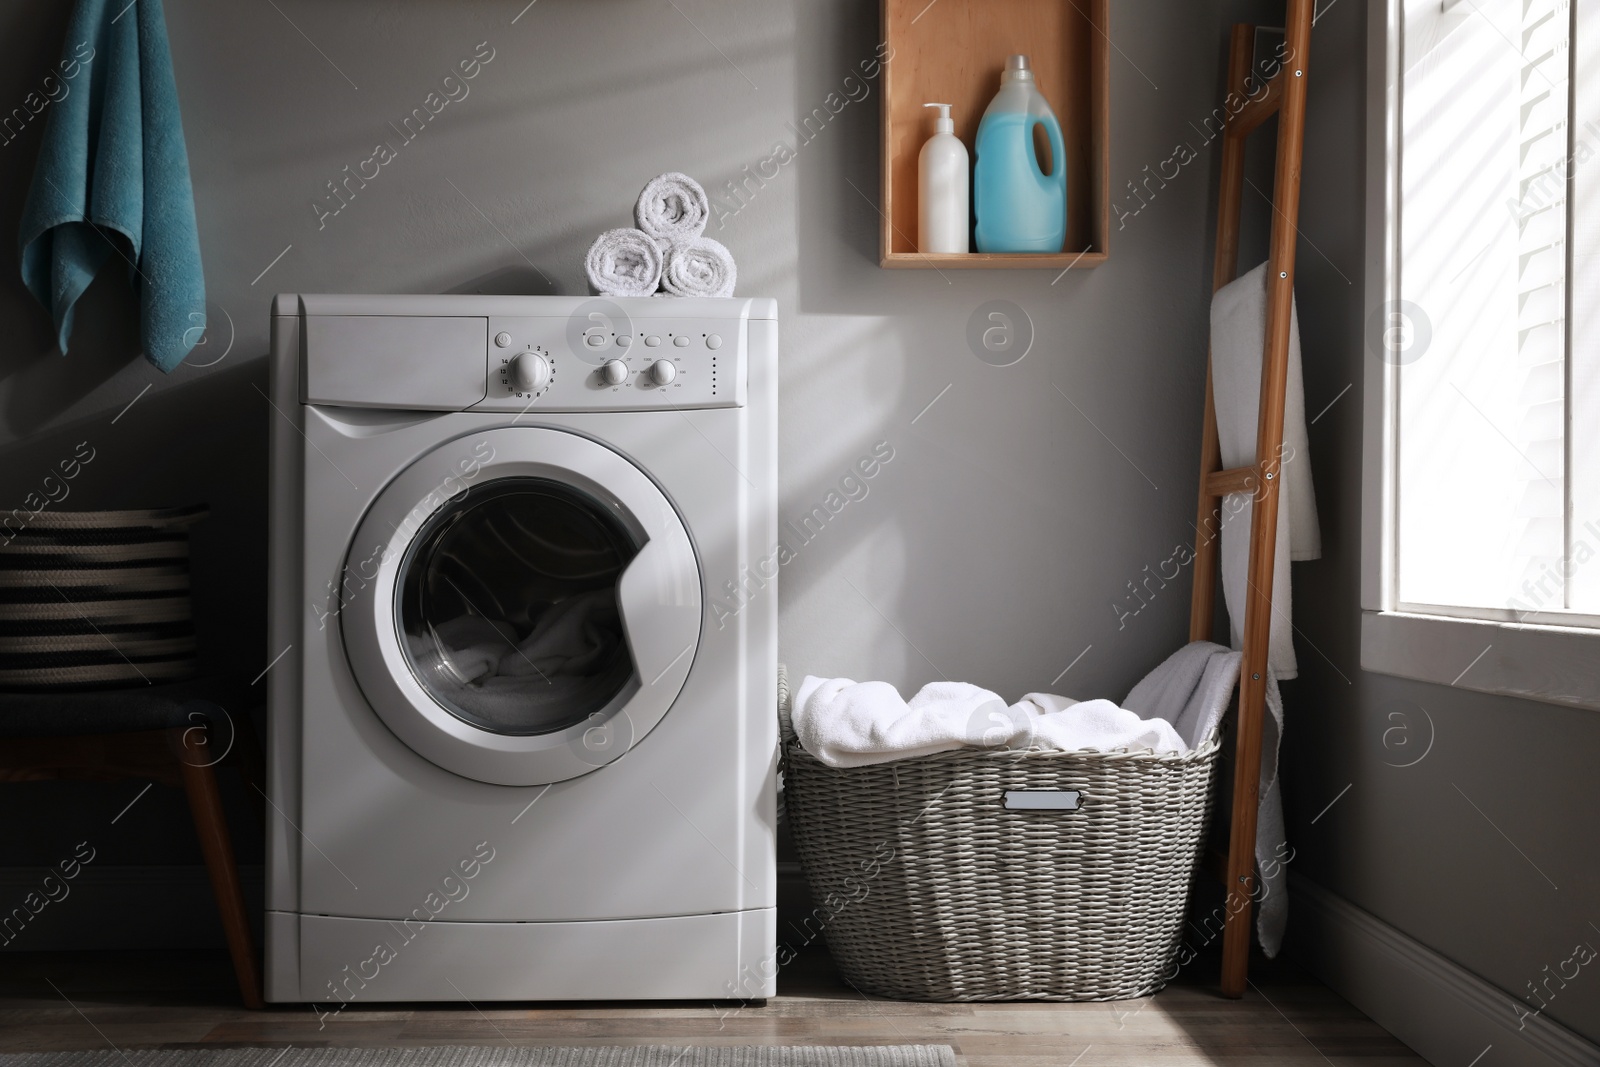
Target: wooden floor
(139, 1000)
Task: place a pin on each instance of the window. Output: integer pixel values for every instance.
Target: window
(1484, 406)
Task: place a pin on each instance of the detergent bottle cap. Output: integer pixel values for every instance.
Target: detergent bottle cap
(944, 124)
(1017, 68)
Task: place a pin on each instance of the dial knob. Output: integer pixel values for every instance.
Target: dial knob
(662, 371)
(614, 372)
(530, 372)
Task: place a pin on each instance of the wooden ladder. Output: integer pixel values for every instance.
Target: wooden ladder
(1285, 96)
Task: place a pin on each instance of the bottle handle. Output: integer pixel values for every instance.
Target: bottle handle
(1058, 152)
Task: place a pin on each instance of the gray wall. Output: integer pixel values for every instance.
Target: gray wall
(991, 548)
(1406, 842)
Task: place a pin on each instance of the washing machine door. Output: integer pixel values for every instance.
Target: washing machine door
(521, 605)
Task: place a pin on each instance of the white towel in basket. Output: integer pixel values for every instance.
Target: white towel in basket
(852, 724)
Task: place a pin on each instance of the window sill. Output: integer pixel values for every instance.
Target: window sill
(1558, 665)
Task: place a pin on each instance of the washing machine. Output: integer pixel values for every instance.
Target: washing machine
(523, 649)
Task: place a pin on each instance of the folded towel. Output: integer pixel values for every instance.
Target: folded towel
(673, 208)
(1191, 689)
(113, 179)
(625, 262)
(1238, 333)
(703, 267)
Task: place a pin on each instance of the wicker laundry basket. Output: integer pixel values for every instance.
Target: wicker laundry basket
(929, 888)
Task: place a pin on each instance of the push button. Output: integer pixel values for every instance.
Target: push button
(624, 341)
(652, 340)
(595, 340)
(681, 341)
(714, 342)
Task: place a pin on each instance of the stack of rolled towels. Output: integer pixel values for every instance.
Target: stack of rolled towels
(668, 252)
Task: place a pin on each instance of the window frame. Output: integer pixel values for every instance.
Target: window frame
(1447, 646)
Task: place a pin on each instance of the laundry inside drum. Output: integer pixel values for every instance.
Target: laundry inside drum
(508, 606)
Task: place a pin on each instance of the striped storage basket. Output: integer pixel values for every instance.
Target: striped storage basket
(92, 599)
(928, 887)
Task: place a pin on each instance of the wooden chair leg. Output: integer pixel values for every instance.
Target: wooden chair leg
(205, 804)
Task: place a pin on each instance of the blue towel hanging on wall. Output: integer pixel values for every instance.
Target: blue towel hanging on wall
(112, 183)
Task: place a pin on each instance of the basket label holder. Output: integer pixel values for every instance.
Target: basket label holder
(1043, 799)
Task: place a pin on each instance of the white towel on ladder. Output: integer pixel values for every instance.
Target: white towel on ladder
(1191, 689)
(1238, 333)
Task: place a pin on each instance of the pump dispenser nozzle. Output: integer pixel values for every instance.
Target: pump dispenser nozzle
(943, 124)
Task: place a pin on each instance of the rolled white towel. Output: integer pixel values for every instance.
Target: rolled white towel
(625, 262)
(703, 267)
(673, 208)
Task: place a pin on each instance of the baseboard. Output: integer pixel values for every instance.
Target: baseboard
(116, 908)
(1446, 1013)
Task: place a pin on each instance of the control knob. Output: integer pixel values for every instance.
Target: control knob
(663, 371)
(529, 372)
(614, 372)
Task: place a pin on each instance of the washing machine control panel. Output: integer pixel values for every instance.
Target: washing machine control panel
(521, 353)
(613, 362)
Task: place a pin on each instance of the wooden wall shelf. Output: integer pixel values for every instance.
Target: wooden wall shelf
(953, 51)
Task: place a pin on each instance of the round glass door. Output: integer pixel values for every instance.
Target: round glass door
(508, 606)
(526, 605)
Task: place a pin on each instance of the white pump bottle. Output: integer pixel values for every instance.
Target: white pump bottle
(944, 201)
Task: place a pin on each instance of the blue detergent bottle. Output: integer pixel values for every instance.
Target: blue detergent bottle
(1019, 207)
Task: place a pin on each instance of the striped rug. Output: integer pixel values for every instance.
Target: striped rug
(93, 599)
(501, 1056)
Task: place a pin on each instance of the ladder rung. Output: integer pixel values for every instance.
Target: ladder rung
(1232, 480)
(1257, 111)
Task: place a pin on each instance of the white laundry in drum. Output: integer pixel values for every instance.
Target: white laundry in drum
(527, 683)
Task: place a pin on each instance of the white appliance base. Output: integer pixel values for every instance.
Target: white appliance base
(722, 956)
